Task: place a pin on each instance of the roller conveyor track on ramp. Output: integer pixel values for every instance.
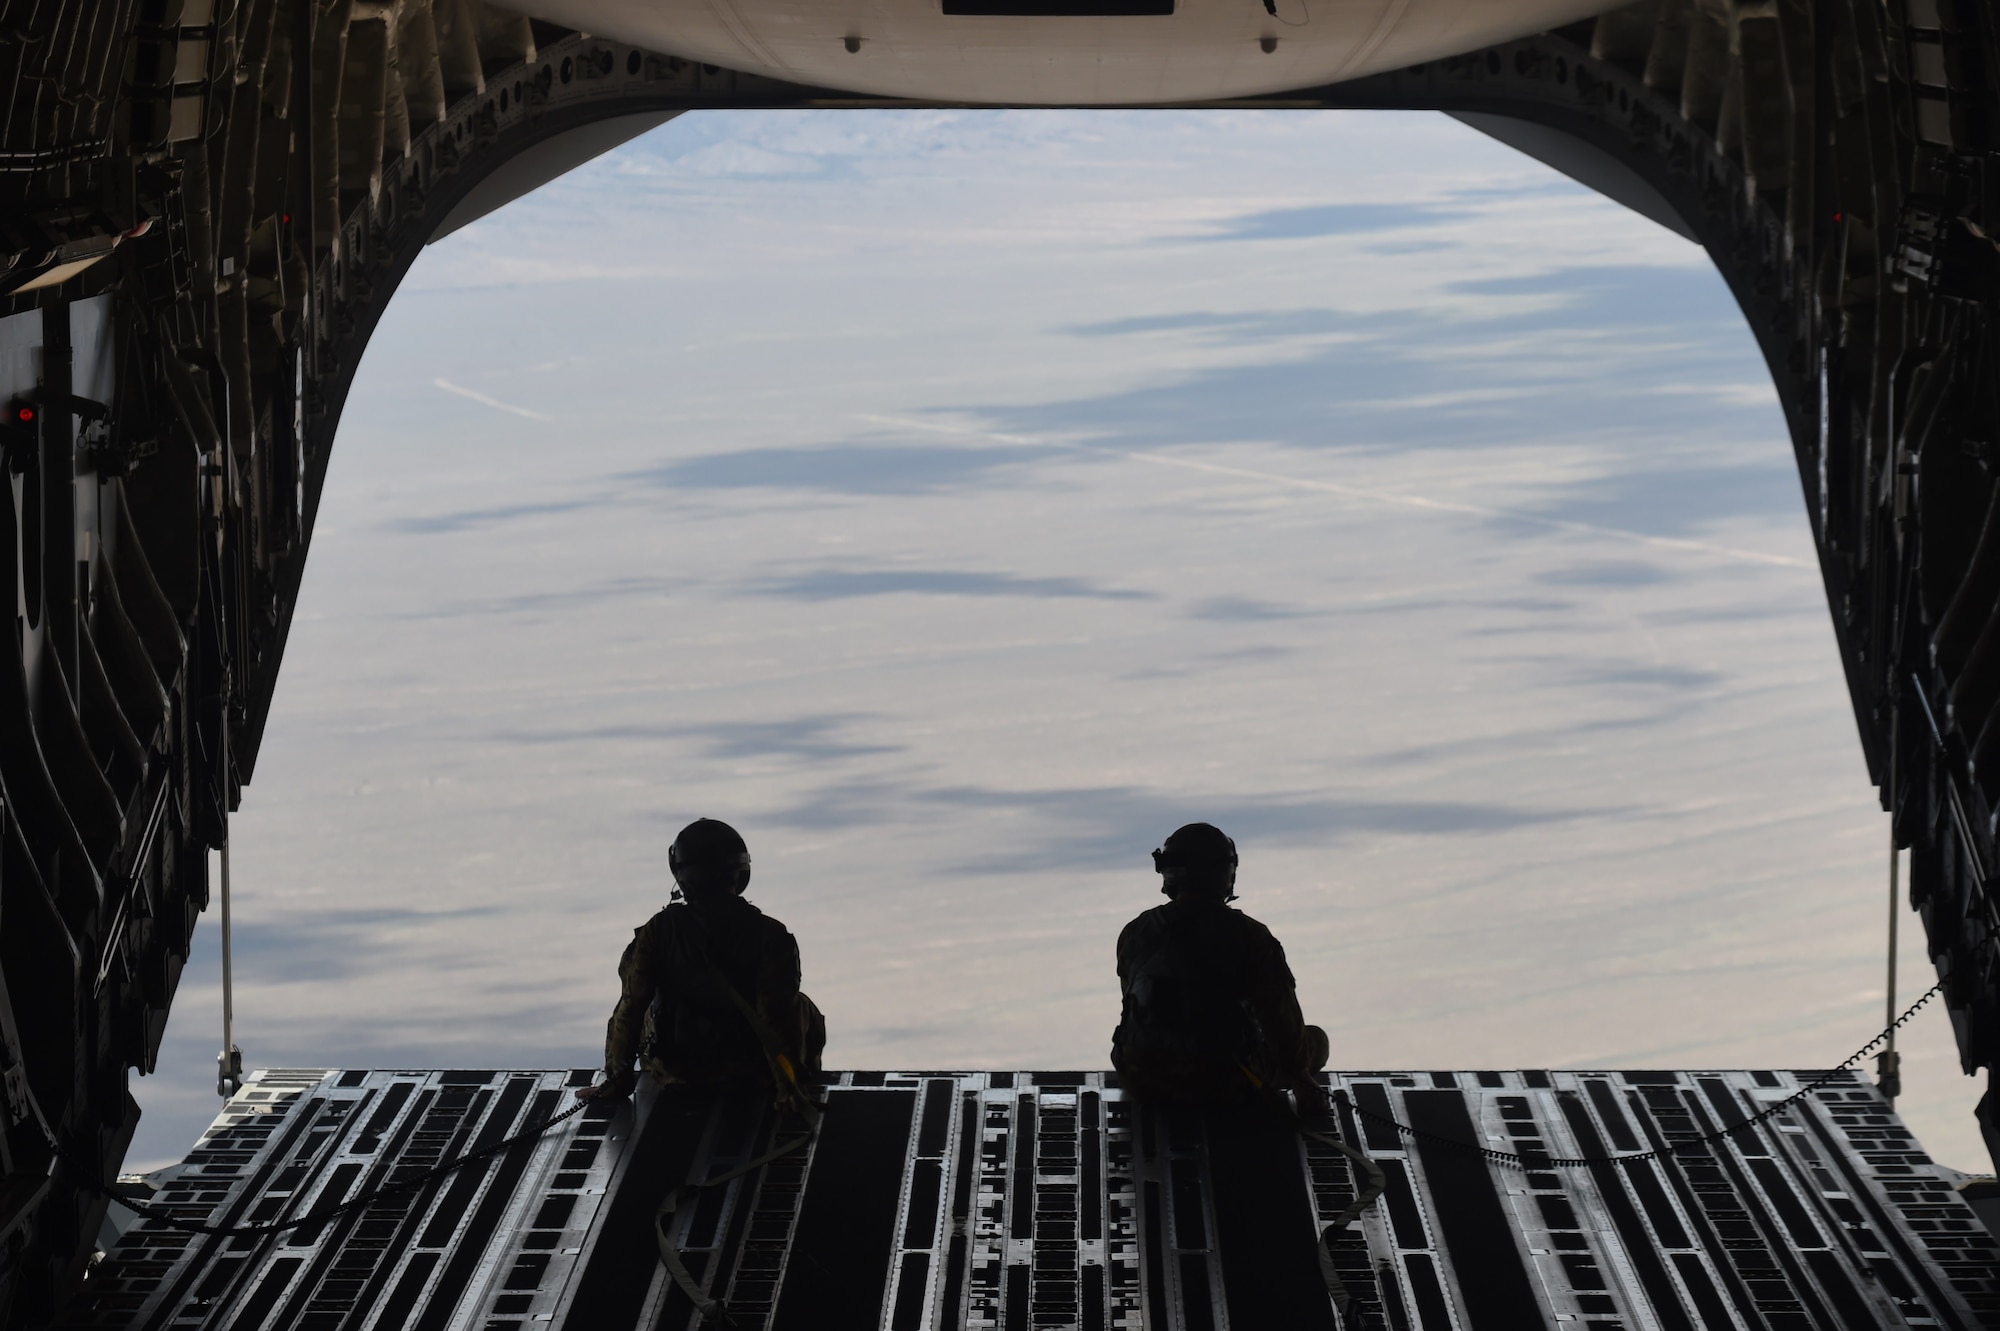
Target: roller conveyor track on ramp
(1029, 1200)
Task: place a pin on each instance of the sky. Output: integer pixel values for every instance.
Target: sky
(957, 502)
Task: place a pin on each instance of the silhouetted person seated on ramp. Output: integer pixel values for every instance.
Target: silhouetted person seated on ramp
(710, 985)
(1211, 1013)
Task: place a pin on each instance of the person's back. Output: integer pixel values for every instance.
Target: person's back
(1209, 1013)
(709, 987)
(703, 958)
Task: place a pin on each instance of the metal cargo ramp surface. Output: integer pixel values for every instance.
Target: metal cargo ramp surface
(1019, 1200)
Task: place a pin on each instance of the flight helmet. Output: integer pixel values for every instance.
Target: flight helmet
(709, 855)
(1197, 855)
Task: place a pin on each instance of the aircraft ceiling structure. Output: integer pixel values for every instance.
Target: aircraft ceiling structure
(1072, 52)
(205, 207)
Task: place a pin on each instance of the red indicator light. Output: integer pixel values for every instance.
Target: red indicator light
(26, 414)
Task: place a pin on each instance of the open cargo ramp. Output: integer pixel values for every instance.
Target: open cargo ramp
(1019, 1200)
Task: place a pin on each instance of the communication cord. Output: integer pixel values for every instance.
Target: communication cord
(1889, 1062)
(1889, 1067)
(229, 1063)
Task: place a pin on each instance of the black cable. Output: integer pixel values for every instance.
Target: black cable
(1572, 1162)
(166, 1217)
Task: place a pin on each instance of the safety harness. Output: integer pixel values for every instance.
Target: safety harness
(1364, 1197)
(785, 1081)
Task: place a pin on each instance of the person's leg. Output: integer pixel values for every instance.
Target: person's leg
(1314, 1049)
(812, 1035)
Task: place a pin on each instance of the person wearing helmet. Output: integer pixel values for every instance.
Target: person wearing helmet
(1211, 1013)
(709, 987)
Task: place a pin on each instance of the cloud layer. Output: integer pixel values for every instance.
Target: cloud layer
(957, 502)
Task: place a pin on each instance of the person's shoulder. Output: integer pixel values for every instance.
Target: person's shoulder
(1153, 916)
(1146, 922)
(658, 927)
(1249, 924)
(753, 918)
(1245, 920)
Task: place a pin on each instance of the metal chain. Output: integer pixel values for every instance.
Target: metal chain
(1509, 1158)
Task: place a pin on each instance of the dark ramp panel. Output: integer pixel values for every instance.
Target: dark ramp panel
(847, 1221)
(1264, 1222)
(481, 1226)
(622, 1262)
(1643, 1247)
(1478, 1235)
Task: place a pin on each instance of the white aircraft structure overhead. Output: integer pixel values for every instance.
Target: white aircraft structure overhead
(1065, 52)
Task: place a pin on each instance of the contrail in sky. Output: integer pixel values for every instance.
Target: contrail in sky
(1358, 492)
(494, 402)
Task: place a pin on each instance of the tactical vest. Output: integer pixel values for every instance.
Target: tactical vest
(1187, 998)
(693, 1025)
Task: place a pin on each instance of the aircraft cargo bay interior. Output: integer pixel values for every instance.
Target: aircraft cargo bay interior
(1476, 471)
